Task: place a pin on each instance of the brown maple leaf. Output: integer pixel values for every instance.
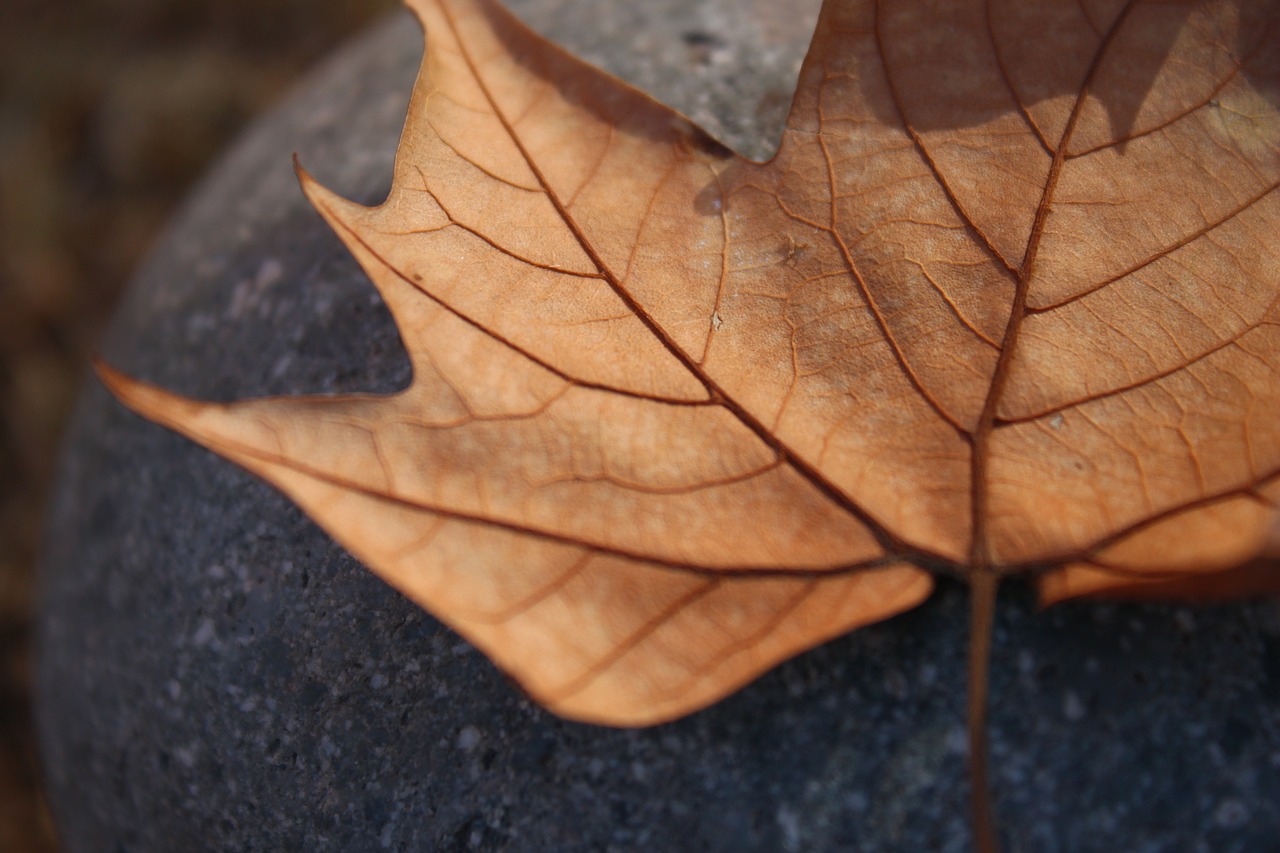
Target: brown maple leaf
(1005, 302)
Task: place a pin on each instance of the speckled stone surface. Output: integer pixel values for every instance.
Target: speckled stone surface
(215, 674)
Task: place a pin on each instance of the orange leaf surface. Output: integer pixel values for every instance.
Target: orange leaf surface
(1006, 301)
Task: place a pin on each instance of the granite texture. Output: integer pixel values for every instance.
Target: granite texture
(215, 674)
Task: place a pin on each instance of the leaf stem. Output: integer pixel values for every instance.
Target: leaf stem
(982, 607)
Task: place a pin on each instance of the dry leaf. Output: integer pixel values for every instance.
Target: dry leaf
(1006, 302)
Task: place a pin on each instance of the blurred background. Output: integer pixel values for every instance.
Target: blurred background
(109, 111)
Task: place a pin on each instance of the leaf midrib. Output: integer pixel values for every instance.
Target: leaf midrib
(980, 554)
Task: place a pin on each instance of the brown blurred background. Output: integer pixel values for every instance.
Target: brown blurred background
(109, 110)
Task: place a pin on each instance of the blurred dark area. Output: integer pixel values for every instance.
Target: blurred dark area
(109, 111)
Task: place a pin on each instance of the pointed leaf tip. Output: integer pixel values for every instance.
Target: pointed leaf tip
(150, 401)
(300, 171)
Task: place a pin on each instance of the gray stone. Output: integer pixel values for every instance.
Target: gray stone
(215, 674)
